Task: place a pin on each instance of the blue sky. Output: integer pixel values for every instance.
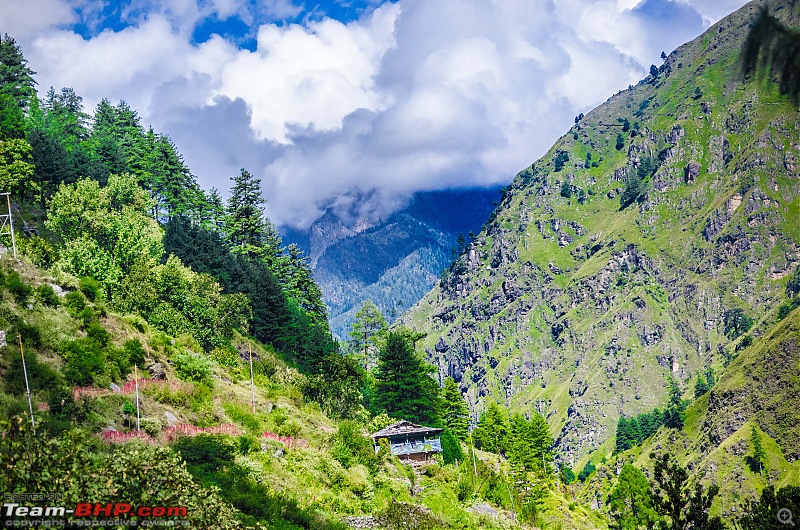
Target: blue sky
(320, 99)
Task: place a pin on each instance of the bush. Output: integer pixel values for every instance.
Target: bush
(208, 451)
(39, 250)
(587, 471)
(85, 361)
(40, 375)
(620, 142)
(351, 447)
(30, 334)
(788, 307)
(566, 190)
(98, 333)
(562, 157)
(193, 367)
(91, 288)
(18, 288)
(47, 295)
(75, 302)
(567, 475)
(134, 351)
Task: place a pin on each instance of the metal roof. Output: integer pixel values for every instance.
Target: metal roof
(404, 427)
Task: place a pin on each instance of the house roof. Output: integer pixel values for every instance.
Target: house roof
(404, 427)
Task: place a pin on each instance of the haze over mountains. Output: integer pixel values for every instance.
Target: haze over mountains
(392, 260)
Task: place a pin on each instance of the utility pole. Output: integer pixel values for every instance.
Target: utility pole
(136, 384)
(252, 381)
(27, 388)
(9, 220)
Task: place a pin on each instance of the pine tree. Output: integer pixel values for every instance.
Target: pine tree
(674, 412)
(491, 434)
(16, 79)
(404, 387)
(454, 409)
(368, 333)
(451, 448)
(245, 225)
(302, 287)
(757, 459)
(684, 504)
(630, 503)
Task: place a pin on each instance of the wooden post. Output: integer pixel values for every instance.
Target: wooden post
(136, 384)
(27, 388)
(252, 381)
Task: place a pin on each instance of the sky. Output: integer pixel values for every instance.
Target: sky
(325, 100)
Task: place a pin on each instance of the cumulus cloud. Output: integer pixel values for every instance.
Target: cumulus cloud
(413, 95)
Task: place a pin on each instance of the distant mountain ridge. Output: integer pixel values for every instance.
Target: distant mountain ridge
(392, 260)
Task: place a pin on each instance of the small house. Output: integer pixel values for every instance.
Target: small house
(409, 441)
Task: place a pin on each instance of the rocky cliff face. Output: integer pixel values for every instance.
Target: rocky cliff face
(571, 305)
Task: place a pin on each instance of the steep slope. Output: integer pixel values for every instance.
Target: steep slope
(759, 389)
(582, 309)
(407, 250)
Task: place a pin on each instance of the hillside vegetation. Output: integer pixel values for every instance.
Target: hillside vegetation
(646, 251)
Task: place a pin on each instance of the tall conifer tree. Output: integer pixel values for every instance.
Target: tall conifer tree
(404, 386)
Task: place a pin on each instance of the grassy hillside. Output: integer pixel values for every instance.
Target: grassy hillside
(283, 464)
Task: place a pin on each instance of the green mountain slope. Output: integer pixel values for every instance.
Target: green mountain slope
(759, 389)
(572, 305)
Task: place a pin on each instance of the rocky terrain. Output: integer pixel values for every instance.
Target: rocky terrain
(573, 303)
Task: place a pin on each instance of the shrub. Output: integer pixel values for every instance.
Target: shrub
(587, 471)
(351, 447)
(400, 515)
(193, 367)
(151, 426)
(746, 341)
(134, 351)
(91, 288)
(29, 333)
(227, 356)
(566, 190)
(562, 157)
(620, 142)
(38, 249)
(208, 451)
(98, 333)
(85, 364)
(788, 307)
(75, 302)
(18, 288)
(47, 295)
(40, 375)
(567, 475)
(289, 428)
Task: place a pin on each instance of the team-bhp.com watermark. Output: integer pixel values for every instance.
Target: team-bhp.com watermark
(18, 513)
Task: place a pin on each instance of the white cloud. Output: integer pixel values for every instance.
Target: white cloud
(23, 20)
(414, 95)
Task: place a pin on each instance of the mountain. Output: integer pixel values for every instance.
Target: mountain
(639, 249)
(406, 250)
